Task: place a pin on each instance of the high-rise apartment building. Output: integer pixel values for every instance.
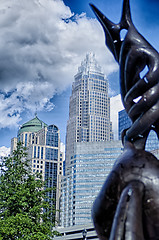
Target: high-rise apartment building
(43, 144)
(89, 109)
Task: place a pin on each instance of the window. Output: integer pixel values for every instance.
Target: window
(34, 151)
(42, 152)
(51, 154)
(26, 139)
(52, 136)
(38, 152)
(51, 177)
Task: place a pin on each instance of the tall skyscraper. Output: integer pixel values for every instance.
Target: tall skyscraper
(43, 144)
(90, 149)
(89, 109)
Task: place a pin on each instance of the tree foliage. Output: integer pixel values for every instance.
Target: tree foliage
(23, 200)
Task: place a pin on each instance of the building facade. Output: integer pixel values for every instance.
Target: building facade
(89, 108)
(90, 149)
(84, 178)
(77, 233)
(125, 122)
(43, 147)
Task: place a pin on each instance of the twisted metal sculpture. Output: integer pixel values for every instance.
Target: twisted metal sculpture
(127, 208)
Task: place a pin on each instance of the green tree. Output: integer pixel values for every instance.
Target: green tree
(23, 199)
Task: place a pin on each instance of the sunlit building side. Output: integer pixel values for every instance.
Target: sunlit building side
(90, 149)
(89, 108)
(84, 178)
(43, 147)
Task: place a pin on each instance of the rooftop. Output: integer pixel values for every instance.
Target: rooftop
(34, 125)
(89, 64)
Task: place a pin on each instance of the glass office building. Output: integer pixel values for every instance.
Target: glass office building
(125, 122)
(43, 144)
(84, 178)
(89, 108)
(90, 152)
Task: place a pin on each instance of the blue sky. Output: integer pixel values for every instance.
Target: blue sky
(42, 43)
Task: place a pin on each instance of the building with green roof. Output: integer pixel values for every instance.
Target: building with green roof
(43, 144)
(34, 125)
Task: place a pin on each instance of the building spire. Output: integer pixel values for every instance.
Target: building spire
(89, 64)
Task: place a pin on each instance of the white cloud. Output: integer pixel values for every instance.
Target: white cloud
(40, 51)
(4, 151)
(115, 106)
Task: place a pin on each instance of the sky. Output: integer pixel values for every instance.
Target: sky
(42, 43)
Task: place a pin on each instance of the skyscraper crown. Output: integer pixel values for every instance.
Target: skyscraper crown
(89, 64)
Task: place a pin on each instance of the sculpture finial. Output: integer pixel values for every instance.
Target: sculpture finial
(112, 30)
(126, 20)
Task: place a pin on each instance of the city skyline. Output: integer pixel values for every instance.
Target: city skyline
(38, 61)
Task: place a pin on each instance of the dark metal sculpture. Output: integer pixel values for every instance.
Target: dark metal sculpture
(127, 208)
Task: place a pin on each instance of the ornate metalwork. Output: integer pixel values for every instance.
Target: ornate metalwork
(128, 204)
